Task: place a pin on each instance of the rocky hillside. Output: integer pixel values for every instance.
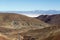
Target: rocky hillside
(20, 27)
(13, 25)
(16, 21)
(50, 19)
(47, 33)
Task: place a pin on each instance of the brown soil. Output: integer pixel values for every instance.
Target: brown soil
(57, 37)
(3, 38)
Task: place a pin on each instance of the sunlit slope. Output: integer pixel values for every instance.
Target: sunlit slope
(12, 24)
(17, 21)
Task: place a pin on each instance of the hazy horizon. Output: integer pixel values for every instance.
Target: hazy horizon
(34, 13)
(29, 5)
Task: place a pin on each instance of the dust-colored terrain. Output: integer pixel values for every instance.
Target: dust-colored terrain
(20, 27)
(12, 25)
(53, 20)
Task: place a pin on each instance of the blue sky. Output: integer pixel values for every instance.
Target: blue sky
(29, 5)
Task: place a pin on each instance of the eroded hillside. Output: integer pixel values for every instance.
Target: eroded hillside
(12, 26)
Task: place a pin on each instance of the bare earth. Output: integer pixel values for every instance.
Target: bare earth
(20, 27)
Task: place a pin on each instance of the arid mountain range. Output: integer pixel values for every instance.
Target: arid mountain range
(35, 13)
(20, 27)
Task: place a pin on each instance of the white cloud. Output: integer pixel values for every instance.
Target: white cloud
(32, 15)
